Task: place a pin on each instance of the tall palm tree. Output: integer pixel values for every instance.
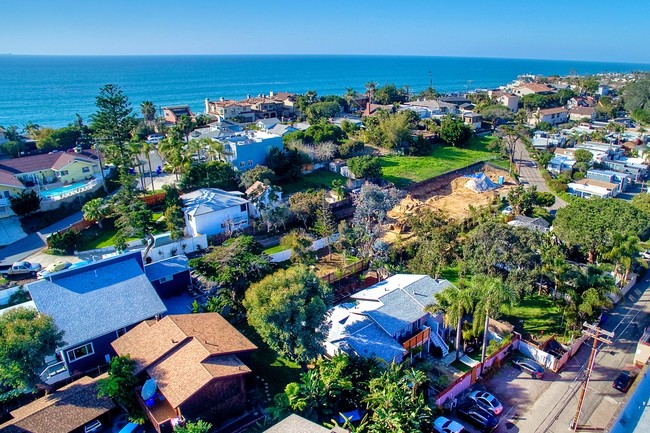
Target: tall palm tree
(93, 211)
(554, 263)
(148, 111)
(624, 245)
(350, 95)
(172, 150)
(455, 302)
(371, 87)
(31, 128)
(492, 295)
(147, 148)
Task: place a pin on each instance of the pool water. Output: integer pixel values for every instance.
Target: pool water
(55, 192)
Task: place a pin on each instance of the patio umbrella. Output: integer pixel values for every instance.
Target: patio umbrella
(149, 389)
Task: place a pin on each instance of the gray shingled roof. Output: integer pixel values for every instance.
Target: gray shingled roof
(405, 305)
(371, 340)
(93, 300)
(296, 424)
(208, 200)
(166, 267)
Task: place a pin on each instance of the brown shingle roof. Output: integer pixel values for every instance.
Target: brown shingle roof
(9, 179)
(28, 164)
(553, 110)
(587, 111)
(214, 332)
(600, 183)
(537, 88)
(61, 412)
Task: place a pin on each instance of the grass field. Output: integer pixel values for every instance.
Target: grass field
(404, 170)
(534, 315)
(319, 179)
(275, 249)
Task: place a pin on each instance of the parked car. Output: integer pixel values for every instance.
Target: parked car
(646, 254)
(480, 417)
(529, 366)
(22, 268)
(155, 138)
(488, 401)
(445, 425)
(507, 210)
(54, 267)
(623, 381)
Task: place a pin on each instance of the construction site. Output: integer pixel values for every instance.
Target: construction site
(453, 193)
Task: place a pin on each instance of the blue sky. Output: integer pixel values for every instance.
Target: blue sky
(568, 29)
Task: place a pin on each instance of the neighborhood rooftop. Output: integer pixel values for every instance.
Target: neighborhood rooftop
(208, 200)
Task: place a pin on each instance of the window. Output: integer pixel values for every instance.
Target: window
(6, 193)
(242, 208)
(242, 164)
(166, 279)
(120, 332)
(189, 217)
(63, 173)
(85, 169)
(250, 162)
(80, 352)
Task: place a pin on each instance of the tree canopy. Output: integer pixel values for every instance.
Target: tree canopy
(26, 338)
(591, 224)
(365, 166)
(453, 131)
(288, 309)
(213, 174)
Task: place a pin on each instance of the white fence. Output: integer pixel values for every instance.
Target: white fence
(183, 246)
(616, 298)
(315, 246)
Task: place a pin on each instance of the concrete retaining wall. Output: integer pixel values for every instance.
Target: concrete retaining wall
(6, 294)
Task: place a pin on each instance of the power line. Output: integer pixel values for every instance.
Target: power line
(599, 336)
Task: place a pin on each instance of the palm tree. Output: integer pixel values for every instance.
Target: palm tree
(554, 264)
(455, 302)
(371, 86)
(350, 95)
(147, 148)
(492, 295)
(92, 211)
(171, 149)
(625, 245)
(31, 128)
(148, 111)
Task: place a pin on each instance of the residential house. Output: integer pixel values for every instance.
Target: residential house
(554, 116)
(288, 101)
(473, 120)
(430, 108)
(247, 149)
(537, 224)
(560, 164)
(297, 424)
(170, 277)
(587, 188)
(93, 305)
(196, 362)
(358, 103)
(507, 99)
(543, 140)
(281, 129)
(388, 320)
(603, 90)
(602, 151)
(456, 101)
(371, 109)
(172, 113)
(532, 89)
(265, 107)
(211, 211)
(636, 170)
(624, 180)
(581, 113)
(228, 109)
(581, 101)
(266, 124)
(75, 408)
(10, 186)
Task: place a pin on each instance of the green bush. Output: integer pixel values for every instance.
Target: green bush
(545, 199)
(350, 147)
(63, 243)
(26, 202)
(578, 175)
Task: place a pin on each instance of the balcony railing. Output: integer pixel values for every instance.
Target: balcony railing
(54, 372)
(417, 339)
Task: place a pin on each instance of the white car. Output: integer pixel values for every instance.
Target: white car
(646, 254)
(445, 425)
(488, 401)
(155, 138)
(507, 210)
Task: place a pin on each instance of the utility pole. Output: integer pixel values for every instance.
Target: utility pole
(599, 336)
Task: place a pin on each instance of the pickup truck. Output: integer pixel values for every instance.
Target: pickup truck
(22, 268)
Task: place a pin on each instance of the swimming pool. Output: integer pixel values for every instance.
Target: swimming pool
(62, 191)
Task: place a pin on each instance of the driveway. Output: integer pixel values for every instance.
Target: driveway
(530, 175)
(34, 242)
(10, 230)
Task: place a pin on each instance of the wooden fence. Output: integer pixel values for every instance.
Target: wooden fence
(347, 271)
(154, 199)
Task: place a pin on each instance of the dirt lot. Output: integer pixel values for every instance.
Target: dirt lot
(451, 195)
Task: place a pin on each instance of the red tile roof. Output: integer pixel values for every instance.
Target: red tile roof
(9, 179)
(28, 164)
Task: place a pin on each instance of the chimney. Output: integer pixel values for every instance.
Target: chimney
(271, 93)
(248, 96)
(207, 105)
(221, 99)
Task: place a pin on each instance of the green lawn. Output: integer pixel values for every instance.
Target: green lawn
(267, 364)
(319, 179)
(404, 170)
(275, 249)
(451, 273)
(534, 315)
(460, 366)
(93, 238)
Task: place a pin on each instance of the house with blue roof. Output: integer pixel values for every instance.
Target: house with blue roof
(93, 305)
(560, 164)
(211, 211)
(171, 276)
(389, 320)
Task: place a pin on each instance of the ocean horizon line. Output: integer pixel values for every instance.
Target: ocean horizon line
(294, 55)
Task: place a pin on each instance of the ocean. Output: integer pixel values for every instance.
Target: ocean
(50, 90)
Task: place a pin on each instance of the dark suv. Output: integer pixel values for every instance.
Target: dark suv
(529, 366)
(479, 416)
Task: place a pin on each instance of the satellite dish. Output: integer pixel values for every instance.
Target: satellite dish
(149, 389)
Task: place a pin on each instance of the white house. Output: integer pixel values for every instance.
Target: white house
(509, 100)
(389, 320)
(587, 188)
(554, 116)
(579, 113)
(211, 211)
(473, 120)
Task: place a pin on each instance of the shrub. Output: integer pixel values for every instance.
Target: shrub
(65, 242)
(545, 199)
(26, 202)
(350, 147)
(365, 166)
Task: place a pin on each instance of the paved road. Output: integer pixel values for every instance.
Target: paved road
(34, 242)
(530, 175)
(553, 411)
